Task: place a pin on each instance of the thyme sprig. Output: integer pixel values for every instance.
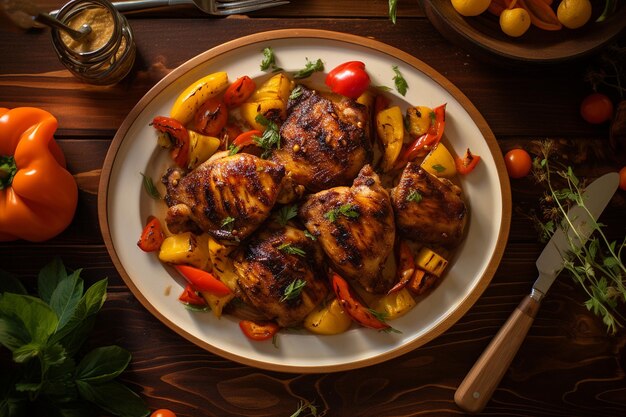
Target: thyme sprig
(597, 266)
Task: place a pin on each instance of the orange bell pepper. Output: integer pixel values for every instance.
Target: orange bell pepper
(38, 196)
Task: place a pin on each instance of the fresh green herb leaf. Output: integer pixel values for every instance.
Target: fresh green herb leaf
(433, 118)
(293, 290)
(309, 235)
(270, 138)
(295, 93)
(347, 210)
(309, 69)
(439, 168)
(113, 397)
(232, 149)
(103, 364)
(414, 196)
(286, 213)
(401, 85)
(269, 61)
(383, 88)
(9, 283)
(305, 406)
(228, 223)
(393, 8)
(150, 188)
(292, 250)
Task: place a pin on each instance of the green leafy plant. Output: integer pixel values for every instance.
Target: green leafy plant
(44, 335)
(597, 265)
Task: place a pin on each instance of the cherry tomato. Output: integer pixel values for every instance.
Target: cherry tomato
(152, 236)
(349, 79)
(261, 330)
(518, 163)
(202, 280)
(239, 91)
(622, 179)
(163, 412)
(211, 117)
(596, 108)
(178, 135)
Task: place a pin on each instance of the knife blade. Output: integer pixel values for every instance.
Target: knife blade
(481, 381)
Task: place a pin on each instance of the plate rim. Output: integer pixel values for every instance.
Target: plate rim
(464, 304)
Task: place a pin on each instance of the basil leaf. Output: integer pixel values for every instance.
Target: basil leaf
(49, 277)
(103, 364)
(66, 296)
(10, 283)
(126, 404)
(25, 319)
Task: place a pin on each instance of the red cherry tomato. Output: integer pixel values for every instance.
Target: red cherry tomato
(152, 236)
(596, 108)
(349, 79)
(163, 412)
(622, 179)
(258, 331)
(239, 91)
(518, 163)
(211, 117)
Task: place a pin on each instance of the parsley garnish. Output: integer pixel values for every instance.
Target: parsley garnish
(293, 290)
(295, 93)
(439, 168)
(269, 61)
(232, 149)
(414, 196)
(309, 69)
(270, 138)
(302, 406)
(393, 8)
(346, 210)
(228, 223)
(309, 235)
(292, 250)
(286, 213)
(150, 188)
(401, 85)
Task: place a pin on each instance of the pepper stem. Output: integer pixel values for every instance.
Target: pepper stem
(8, 169)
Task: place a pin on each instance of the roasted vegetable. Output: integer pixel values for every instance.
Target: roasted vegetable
(190, 100)
(269, 100)
(430, 261)
(186, 248)
(390, 129)
(439, 162)
(201, 147)
(395, 304)
(328, 318)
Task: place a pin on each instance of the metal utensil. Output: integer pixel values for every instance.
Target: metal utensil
(26, 15)
(49, 20)
(214, 7)
(482, 380)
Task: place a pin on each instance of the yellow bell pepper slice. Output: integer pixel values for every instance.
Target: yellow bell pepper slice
(270, 100)
(430, 261)
(390, 129)
(439, 162)
(201, 148)
(186, 248)
(190, 100)
(395, 304)
(328, 318)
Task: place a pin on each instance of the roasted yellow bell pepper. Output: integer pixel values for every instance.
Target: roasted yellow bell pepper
(439, 162)
(201, 147)
(223, 266)
(430, 261)
(190, 100)
(328, 318)
(390, 129)
(186, 248)
(419, 120)
(38, 196)
(269, 100)
(395, 304)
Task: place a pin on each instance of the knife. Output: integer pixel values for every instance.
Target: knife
(482, 380)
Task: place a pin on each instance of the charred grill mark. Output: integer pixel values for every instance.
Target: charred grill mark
(345, 241)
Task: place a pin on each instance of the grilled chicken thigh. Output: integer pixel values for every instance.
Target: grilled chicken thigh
(355, 226)
(276, 258)
(428, 209)
(323, 143)
(228, 197)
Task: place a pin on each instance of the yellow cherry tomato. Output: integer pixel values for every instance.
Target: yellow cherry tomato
(574, 13)
(470, 7)
(514, 22)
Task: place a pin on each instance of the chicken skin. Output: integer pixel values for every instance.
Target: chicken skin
(355, 226)
(277, 261)
(323, 143)
(228, 197)
(428, 209)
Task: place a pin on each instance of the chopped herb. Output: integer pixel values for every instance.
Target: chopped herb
(293, 290)
(414, 196)
(393, 8)
(270, 138)
(292, 250)
(232, 149)
(439, 168)
(382, 316)
(401, 85)
(433, 118)
(309, 235)
(150, 188)
(286, 213)
(228, 223)
(295, 93)
(309, 69)
(269, 60)
(305, 406)
(346, 210)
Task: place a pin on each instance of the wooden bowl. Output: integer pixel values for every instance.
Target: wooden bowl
(482, 35)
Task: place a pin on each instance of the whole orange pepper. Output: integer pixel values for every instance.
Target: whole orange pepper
(38, 196)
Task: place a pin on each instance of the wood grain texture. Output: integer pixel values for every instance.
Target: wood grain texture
(567, 366)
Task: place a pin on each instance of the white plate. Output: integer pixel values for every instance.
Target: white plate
(124, 206)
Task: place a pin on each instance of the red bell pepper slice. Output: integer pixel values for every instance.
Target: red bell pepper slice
(152, 236)
(247, 138)
(259, 330)
(203, 280)
(467, 163)
(178, 135)
(349, 79)
(239, 91)
(189, 296)
(428, 139)
(351, 305)
(406, 266)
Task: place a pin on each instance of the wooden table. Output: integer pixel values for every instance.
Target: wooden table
(567, 366)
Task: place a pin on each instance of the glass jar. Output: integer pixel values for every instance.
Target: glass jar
(107, 54)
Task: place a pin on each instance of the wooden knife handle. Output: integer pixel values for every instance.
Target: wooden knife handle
(484, 377)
